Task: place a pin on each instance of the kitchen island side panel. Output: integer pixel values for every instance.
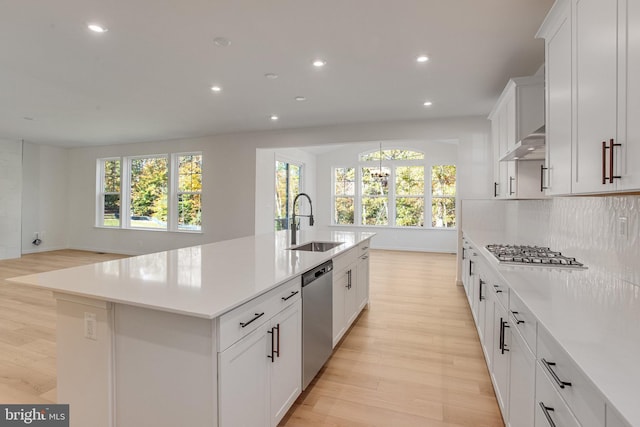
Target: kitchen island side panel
(165, 370)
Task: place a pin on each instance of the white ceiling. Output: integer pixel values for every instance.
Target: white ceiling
(149, 77)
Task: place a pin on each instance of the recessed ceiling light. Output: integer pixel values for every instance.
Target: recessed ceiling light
(319, 63)
(422, 58)
(427, 103)
(516, 158)
(271, 76)
(222, 42)
(216, 89)
(300, 98)
(96, 28)
(274, 118)
(531, 148)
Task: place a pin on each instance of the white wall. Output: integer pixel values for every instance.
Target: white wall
(229, 176)
(10, 198)
(44, 197)
(265, 183)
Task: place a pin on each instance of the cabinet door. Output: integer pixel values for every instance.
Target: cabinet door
(595, 91)
(629, 125)
(497, 166)
(362, 290)
(522, 386)
(351, 297)
(481, 298)
(500, 371)
(558, 127)
(243, 381)
(340, 284)
(286, 367)
(487, 335)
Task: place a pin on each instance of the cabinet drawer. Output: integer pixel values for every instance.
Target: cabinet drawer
(343, 260)
(500, 290)
(581, 395)
(243, 320)
(363, 248)
(555, 411)
(523, 320)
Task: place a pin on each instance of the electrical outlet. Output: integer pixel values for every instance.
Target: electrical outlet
(90, 326)
(622, 226)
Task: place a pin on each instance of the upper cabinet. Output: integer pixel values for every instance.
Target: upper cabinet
(592, 96)
(518, 114)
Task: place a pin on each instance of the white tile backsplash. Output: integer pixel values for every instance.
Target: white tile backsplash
(583, 227)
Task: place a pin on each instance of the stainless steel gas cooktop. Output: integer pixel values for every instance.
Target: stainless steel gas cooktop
(531, 256)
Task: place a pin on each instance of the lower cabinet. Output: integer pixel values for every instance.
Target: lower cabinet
(550, 409)
(362, 288)
(501, 357)
(350, 289)
(259, 376)
(521, 382)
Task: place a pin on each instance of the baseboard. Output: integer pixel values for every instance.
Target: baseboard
(412, 249)
(42, 249)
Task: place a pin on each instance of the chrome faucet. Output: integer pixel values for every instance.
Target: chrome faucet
(294, 226)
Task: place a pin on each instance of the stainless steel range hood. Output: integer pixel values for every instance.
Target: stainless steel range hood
(529, 148)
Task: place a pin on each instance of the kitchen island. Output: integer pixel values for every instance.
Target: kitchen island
(139, 340)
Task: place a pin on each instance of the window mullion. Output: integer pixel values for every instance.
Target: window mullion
(125, 192)
(172, 196)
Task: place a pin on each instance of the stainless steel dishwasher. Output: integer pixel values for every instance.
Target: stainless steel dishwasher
(317, 320)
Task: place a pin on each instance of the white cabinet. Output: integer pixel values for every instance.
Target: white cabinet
(345, 302)
(350, 288)
(595, 79)
(518, 113)
(286, 371)
(243, 381)
(260, 358)
(558, 96)
(522, 377)
(593, 58)
(501, 347)
(629, 88)
(362, 288)
(550, 409)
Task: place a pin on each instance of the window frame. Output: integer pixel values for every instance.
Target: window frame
(301, 172)
(174, 193)
(100, 194)
(125, 192)
(427, 196)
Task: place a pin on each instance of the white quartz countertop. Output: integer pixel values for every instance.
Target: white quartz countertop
(592, 314)
(201, 281)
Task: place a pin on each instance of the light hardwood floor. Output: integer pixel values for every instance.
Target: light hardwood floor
(28, 327)
(412, 359)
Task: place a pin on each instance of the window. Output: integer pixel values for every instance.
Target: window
(375, 197)
(443, 196)
(410, 196)
(387, 188)
(344, 194)
(148, 192)
(287, 187)
(161, 192)
(189, 192)
(109, 196)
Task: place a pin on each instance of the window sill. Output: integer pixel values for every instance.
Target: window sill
(155, 230)
(385, 227)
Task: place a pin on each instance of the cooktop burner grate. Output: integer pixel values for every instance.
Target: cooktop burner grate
(531, 255)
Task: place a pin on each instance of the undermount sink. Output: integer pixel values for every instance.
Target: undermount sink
(316, 246)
